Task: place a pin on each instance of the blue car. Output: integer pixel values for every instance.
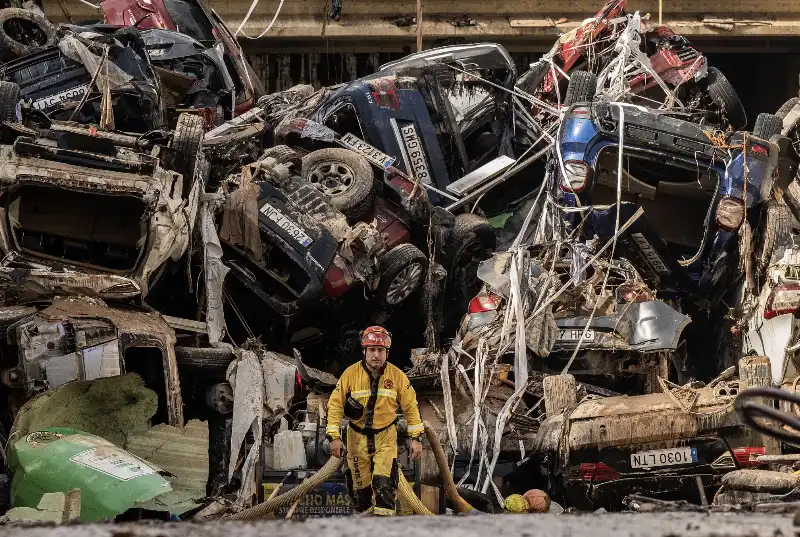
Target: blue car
(696, 187)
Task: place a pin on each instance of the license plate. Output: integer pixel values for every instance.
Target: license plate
(416, 155)
(664, 457)
(50, 101)
(372, 154)
(574, 334)
(651, 257)
(792, 272)
(283, 222)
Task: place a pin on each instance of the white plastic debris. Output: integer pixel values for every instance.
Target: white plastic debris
(289, 451)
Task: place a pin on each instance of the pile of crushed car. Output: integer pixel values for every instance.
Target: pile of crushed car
(583, 266)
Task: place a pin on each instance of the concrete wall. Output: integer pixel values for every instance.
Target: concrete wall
(532, 20)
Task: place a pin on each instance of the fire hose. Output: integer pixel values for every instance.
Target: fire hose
(404, 488)
(749, 407)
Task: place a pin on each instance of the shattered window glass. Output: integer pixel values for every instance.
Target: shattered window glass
(191, 20)
(345, 120)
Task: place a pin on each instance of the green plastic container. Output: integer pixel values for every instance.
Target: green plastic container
(111, 480)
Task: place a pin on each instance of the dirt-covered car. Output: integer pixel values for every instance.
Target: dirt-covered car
(671, 445)
(311, 274)
(616, 336)
(92, 212)
(59, 83)
(663, 67)
(194, 19)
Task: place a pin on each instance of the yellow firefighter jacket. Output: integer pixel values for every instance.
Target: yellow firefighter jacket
(380, 397)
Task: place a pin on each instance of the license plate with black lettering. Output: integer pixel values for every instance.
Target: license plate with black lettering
(664, 457)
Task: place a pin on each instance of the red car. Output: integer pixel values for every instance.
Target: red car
(684, 70)
(196, 21)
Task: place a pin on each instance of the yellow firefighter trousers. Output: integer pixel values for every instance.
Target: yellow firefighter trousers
(372, 460)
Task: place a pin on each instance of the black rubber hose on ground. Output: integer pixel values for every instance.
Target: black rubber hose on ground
(749, 407)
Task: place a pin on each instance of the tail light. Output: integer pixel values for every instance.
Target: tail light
(576, 176)
(730, 213)
(384, 92)
(482, 303)
(298, 382)
(784, 298)
(597, 472)
(746, 456)
(759, 149)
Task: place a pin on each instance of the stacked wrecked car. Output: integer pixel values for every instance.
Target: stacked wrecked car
(187, 264)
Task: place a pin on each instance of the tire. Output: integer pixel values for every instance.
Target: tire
(474, 237)
(284, 155)
(187, 141)
(792, 198)
(397, 263)
(775, 221)
(721, 92)
(350, 189)
(767, 126)
(23, 32)
(581, 88)
(9, 98)
(783, 111)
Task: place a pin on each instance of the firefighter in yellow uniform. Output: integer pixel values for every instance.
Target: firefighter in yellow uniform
(368, 394)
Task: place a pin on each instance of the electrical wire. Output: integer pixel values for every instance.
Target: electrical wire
(97, 7)
(247, 17)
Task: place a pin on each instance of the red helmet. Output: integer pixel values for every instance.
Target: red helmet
(376, 336)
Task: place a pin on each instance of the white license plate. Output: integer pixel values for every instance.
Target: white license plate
(574, 334)
(664, 457)
(416, 155)
(72, 94)
(283, 222)
(372, 154)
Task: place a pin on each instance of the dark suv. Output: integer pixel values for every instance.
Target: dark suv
(439, 120)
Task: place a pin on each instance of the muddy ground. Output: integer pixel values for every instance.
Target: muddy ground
(605, 525)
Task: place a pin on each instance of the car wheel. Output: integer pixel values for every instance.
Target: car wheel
(187, 142)
(721, 92)
(402, 272)
(9, 98)
(581, 88)
(343, 176)
(767, 126)
(284, 155)
(775, 221)
(792, 198)
(471, 242)
(23, 32)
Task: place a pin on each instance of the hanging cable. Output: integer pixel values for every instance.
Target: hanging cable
(247, 17)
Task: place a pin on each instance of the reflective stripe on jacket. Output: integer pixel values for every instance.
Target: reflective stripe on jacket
(381, 397)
